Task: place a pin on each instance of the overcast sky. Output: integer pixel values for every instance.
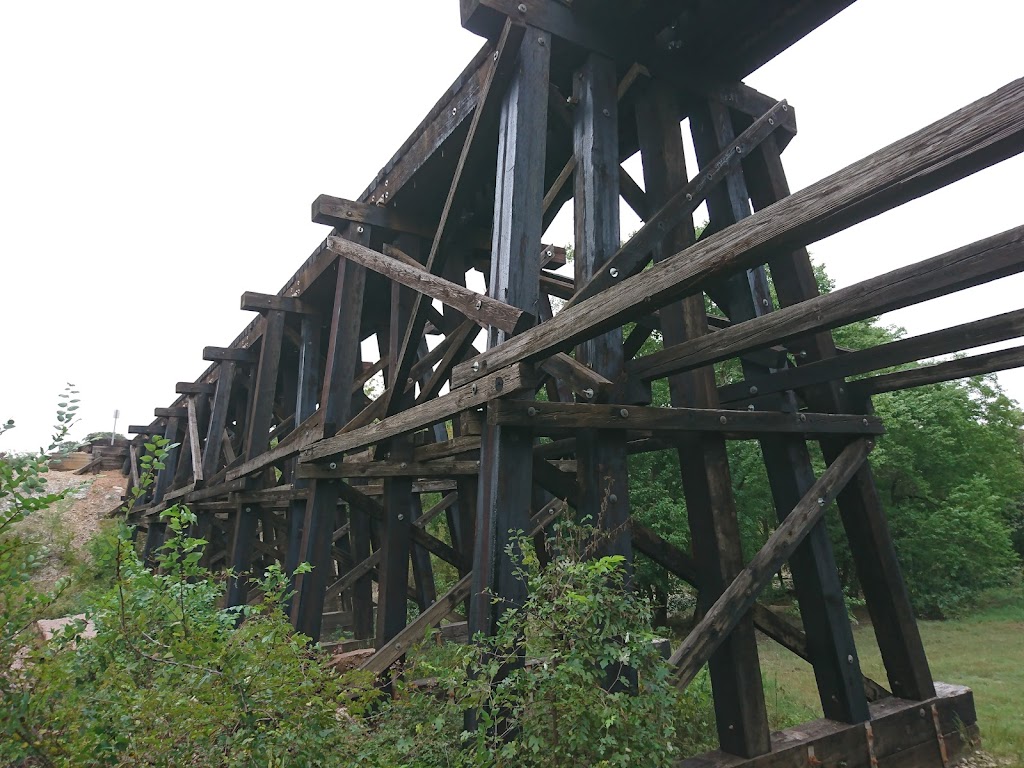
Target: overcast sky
(157, 160)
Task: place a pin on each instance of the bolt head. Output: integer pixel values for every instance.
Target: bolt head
(606, 113)
(689, 197)
(360, 230)
(753, 390)
(403, 465)
(522, 7)
(722, 420)
(849, 659)
(333, 465)
(476, 366)
(771, 120)
(248, 509)
(474, 388)
(821, 502)
(401, 516)
(588, 393)
(479, 304)
(613, 498)
(750, 407)
(739, 149)
(613, 272)
(455, 110)
(531, 411)
(624, 413)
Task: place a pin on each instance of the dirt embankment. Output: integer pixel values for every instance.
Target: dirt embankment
(63, 530)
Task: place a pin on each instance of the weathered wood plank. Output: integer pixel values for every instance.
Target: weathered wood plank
(975, 365)
(546, 418)
(958, 338)
(263, 302)
(978, 262)
(499, 384)
(741, 595)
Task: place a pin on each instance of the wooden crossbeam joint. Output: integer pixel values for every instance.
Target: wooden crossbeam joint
(235, 354)
(264, 302)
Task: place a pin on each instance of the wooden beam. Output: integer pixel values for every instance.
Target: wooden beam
(338, 212)
(220, 354)
(976, 365)
(193, 436)
(976, 136)
(970, 265)
(435, 468)
(499, 384)
(740, 596)
(469, 303)
(170, 413)
(263, 302)
(1009, 325)
(546, 418)
(194, 388)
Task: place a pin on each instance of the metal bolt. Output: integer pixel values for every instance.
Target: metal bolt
(771, 120)
(495, 56)
(541, 41)
(359, 230)
(613, 272)
(689, 197)
(753, 390)
(708, 177)
(624, 413)
(455, 110)
(803, 353)
(588, 393)
(333, 465)
(248, 509)
(531, 411)
(522, 7)
(750, 407)
(785, 107)
(479, 304)
(550, 253)
(408, 381)
(401, 516)
(865, 422)
(613, 498)
(722, 420)
(803, 417)
(849, 659)
(474, 388)
(476, 366)
(921, 712)
(606, 113)
(403, 465)
(764, 302)
(821, 502)
(739, 148)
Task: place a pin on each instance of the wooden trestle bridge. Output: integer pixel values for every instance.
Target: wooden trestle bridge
(285, 458)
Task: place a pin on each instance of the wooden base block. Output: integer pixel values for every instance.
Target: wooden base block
(900, 734)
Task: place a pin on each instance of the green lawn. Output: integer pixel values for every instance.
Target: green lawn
(984, 652)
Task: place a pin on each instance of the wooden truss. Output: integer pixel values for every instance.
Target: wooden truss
(285, 457)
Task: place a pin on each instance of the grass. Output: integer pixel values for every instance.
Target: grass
(984, 651)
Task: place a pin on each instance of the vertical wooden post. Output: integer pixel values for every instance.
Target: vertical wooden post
(396, 527)
(601, 455)
(306, 391)
(507, 452)
(218, 417)
(343, 356)
(740, 710)
(899, 638)
(819, 593)
(257, 437)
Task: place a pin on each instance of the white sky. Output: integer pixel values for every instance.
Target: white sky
(157, 160)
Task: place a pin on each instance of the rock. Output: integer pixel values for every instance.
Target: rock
(48, 628)
(344, 662)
